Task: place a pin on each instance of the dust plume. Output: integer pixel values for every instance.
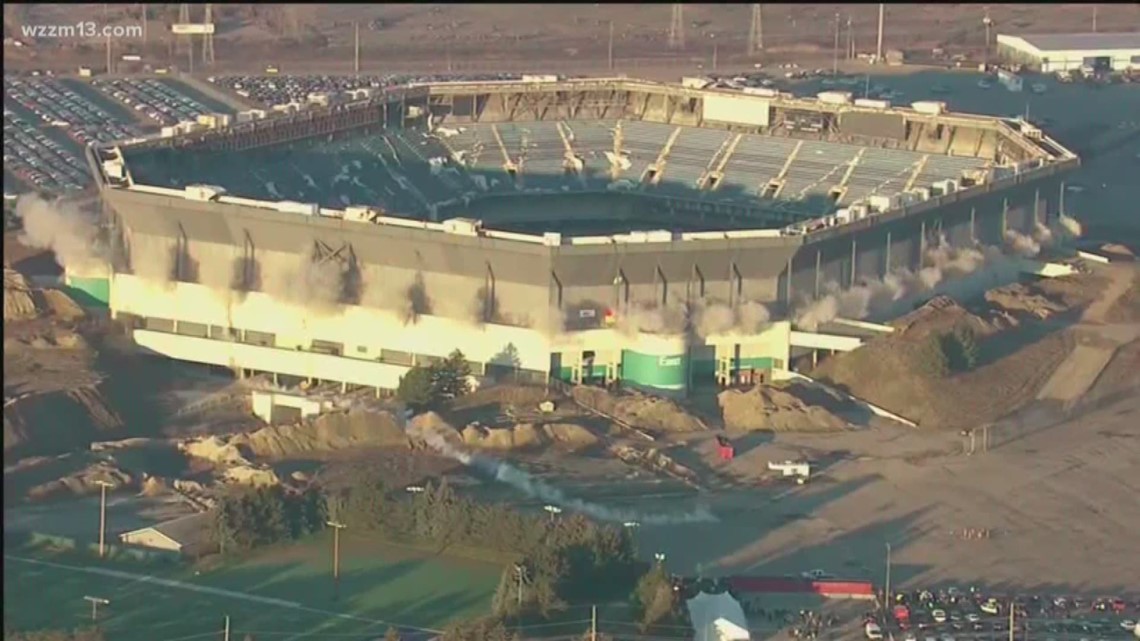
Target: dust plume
(504, 472)
(651, 319)
(710, 318)
(1071, 226)
(313, 284)
(407, 299)
(65, 229)
(1023, 245)
(860, 301)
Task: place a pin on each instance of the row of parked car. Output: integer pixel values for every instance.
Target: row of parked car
(31, 108)
(945, 614)
(272, 89)
(154, 99)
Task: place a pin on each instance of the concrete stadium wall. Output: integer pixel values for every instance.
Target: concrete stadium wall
(872, 253)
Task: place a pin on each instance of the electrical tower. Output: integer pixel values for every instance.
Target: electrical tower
(677, 27)
(756, 31)
(183, 43)
(208, 39)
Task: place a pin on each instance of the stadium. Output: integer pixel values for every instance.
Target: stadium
(589, 230)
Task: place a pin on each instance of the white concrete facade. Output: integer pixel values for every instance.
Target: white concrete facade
(1069, 52)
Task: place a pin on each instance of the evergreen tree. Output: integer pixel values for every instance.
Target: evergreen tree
(450, 377)
(417, 388)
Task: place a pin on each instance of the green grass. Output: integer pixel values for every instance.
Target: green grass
(381, 585)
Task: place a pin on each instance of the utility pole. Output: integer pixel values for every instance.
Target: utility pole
(756, 31)
(208, 39)
(108, 54)
(95, 603)
(610, 48)
(593, 623)
(850, 40)
(1095, 8)
(986, 50)
(716, 47)
(1011, 620)
(887, 586)
(356, 48)
(677, 27)
(835, 51)
(226, 636)
(337, 526)
(103, 485)
(879, 47)
(142, 11)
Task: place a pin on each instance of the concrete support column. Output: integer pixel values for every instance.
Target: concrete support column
(1004, 216)
(818, 270)
(1061, 201)
(973, 225)
(887, 255)
(854, 262)
(921, 242)
(788, 284)
(1036, 208)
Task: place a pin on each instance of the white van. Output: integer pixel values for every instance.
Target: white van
(872, 631)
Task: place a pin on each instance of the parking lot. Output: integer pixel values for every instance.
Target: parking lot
(952, 614)
(270, 90)
(46, 124)
(159, 102)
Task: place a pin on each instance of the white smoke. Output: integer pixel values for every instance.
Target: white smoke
(1071, 226)
(652, 319)
(711, 318)
(1029, 245)
(861, 300)
(314, 284)
(65, 229)
(504, 472)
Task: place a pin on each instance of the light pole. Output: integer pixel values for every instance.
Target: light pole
(887, 586)
(95, 603)
(659, 557)
(414, 489)
(103, 485)
(520, 571)
(988, 22)
(553, 510)
(337, 527)
(835, 52)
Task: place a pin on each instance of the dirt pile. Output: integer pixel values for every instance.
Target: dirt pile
(19, 304)
(1018, 299)
(83, 482)
(218, 450)
(58, 421)
(657, 462)
(651, 413)
(325, 433)
(527, 435)
(1016, 355)
(774, 409)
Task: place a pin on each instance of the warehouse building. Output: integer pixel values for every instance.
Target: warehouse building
(1051, 53)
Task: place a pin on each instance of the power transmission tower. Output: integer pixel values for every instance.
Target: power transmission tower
(208, 39)
(182, 42)
(677, 27)
(756, 31)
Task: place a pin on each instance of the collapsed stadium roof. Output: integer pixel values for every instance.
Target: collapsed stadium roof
(411, 156)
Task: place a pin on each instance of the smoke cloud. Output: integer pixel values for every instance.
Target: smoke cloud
(860, 301)
(711, 318)
(503, 472)
(314, 284)
(65, 229)
(652, 319)
(1071, 226)
(1029, 245)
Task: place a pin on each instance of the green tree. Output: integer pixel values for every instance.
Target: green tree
(417, 388)
(450, 377)
(931, 358)
(653, 597)
(484, 629)
(392, 635)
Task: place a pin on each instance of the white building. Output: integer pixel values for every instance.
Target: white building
(1050, 53)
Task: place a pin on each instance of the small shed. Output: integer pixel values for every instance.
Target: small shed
(186, 535)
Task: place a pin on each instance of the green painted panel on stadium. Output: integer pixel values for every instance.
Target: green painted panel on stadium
(89, 292)
(668, 372)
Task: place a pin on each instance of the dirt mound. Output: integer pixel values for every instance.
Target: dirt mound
(249, 475)
(19, 304)
(650, 413)
(153, 486)
(58, 421)
(324, 434)
(526, 435)
(1016, 355)
(216, 449)
(1019, 299)
(775, 409)
(657, 462)
(61, 306)
(82, 482)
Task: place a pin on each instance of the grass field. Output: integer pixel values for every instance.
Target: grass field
(280, 593)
